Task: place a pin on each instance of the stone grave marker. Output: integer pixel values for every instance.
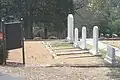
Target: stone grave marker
(114, 35)
(76, 42)
(94, 49)
(110, 57)
(70, 28)
(83, 44)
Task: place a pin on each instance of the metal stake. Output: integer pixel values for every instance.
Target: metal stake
(23, 52)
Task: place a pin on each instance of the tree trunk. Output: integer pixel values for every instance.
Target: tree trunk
(30, 29)
(26, 28)
(45, 31)
(29, 21)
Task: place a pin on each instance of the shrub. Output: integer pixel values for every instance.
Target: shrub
(3, 54)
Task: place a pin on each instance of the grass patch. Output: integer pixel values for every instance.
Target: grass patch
(103, 53)
(62, 45)
(118, 59)
(89, 46)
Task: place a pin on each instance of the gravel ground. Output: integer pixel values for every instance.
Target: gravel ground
(36, 53)
(63, 73)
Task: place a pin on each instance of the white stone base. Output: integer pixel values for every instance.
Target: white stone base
(69, 40)
(94, 52)
(110, 60)
(80, 44)
(76, 44)
(82, 47)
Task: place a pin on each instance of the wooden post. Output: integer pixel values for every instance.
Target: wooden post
(22, 38)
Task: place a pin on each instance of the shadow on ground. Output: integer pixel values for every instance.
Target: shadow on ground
(14, 64)
(8, 77)
(114, 73)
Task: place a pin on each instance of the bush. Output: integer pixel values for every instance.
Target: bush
(116, 27)
(3, 54)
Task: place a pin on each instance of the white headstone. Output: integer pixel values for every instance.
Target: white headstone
(83, 43)
(76, 38)
(70, 28)
(110, 57)
(95, 41)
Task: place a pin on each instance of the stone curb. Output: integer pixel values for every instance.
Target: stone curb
(73, 65)
(48, 46)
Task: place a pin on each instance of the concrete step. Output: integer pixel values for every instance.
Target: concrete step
(81, 59)
(72, 56)
(62, 48)
(72, 52)
(66, 50)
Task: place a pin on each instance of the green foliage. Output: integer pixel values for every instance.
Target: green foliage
(108, 14)
(116, 26)
(53, 13)
(5, 6)
(3, 53)
(62, 45)
(35, 8)
(97, 5)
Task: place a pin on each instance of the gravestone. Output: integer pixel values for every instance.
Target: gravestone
(76, 44)
(114, 35)
(110, 57)
(83, 43)
(70, 28)
(107, 35)
(102, 36)
(94, 50)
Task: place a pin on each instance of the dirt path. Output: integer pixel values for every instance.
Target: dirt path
(35, 53)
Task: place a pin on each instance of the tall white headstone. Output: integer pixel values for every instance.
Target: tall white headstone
(95, 41)
(83, 43)
(70, 28)
(76, 38)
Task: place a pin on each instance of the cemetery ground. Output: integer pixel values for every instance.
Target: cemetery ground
(53, 53)
(115, 43)
(67, 63)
